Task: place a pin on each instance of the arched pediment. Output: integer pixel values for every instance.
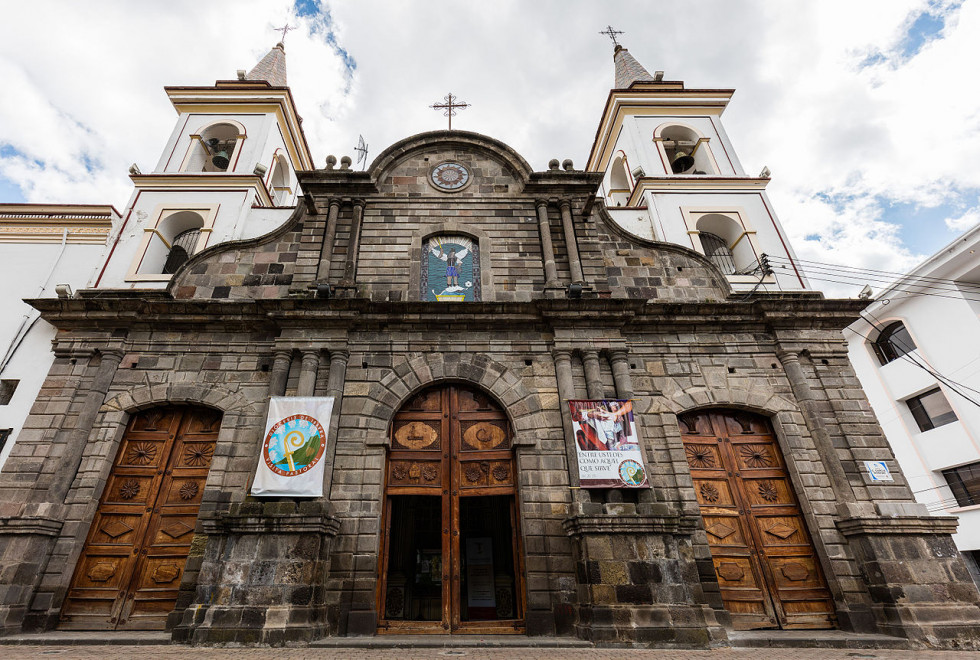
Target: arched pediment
(440, 141)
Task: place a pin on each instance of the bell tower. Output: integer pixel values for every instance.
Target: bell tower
(671, 175)
(228, 172)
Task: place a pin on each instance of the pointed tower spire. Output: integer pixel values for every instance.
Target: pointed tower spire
(628, 70)
(271, 68)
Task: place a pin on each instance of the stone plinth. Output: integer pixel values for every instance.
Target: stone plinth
(262, 576)
(920, 588)
(638, 581)
(26, 540)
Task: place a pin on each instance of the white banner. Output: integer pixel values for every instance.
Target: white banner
(607, 444)
(291, 457)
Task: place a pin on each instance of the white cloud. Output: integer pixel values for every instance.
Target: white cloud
(88, 86)
(968, 220)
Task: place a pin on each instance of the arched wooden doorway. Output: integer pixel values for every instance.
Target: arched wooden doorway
(766, 565)
(450, 551)
(130, 568)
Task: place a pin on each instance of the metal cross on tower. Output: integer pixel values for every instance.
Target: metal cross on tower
(450, 106)
(284, 29)
(611, 33)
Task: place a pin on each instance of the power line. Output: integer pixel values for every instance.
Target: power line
(892, 274)
(829, 273)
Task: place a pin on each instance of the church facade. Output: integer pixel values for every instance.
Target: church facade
(452, 301)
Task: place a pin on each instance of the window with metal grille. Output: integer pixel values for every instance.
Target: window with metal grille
(716, 249)
(893, 342)
(931, 409)
(181, 250)
(964, 481)
(7, 388)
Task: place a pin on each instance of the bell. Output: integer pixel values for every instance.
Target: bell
(682, 162)
(220, 160)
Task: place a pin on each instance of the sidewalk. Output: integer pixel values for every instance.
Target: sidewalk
(126, 652)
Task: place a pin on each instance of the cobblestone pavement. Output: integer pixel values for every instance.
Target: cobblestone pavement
(121, 652)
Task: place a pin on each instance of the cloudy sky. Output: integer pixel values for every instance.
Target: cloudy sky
(866, 111)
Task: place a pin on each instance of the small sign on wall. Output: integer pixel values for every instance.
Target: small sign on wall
(878, 471)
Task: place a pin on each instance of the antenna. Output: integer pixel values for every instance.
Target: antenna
(362, 151)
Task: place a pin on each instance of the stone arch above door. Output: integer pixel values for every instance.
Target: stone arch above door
(523, 407)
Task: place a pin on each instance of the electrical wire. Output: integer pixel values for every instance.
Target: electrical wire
(872, 271)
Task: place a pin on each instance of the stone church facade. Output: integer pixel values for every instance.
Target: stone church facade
(124, 503)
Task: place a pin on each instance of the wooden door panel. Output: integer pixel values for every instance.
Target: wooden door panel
(763, 556)
(714, 494)
(131, 564)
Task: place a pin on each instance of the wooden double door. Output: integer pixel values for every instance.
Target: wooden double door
(133, 559)
(766, 565)
(450, 557)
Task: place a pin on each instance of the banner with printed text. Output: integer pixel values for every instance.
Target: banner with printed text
(292, 454)
(608, 447)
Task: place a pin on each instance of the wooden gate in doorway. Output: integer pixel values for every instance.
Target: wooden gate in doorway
(766, 565)
(451, 556)
(132, 562)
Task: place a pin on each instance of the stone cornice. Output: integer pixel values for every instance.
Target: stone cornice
(630, 524)
(272, 518)
(37, 525)
(914, 525)
(122, 308)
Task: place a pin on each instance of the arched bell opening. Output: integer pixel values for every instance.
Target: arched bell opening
(451, 557)
(131, 566)
(767, 567)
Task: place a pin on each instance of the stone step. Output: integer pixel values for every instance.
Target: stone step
(813, 639)
(451, 641)
(88, 638)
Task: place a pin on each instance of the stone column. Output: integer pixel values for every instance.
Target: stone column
(353, 244)
(280, 372)
(547, 249)
(326, 251)
(637, 581)
(78, 437)
(574, 264)
(593, 377)
(919, 586)
(263, 575)
(31, 526)
(566, 391)
(621, 374)
(335, 388)
(307, 373)
(814, 422)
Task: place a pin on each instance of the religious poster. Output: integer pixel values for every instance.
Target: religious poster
(292, 454)
(450, 269)
(607, 444)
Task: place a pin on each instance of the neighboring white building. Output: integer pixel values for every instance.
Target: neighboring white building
(42, 246)
(672, 175)
(917, 353)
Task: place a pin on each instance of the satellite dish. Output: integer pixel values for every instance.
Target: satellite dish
(362, 151)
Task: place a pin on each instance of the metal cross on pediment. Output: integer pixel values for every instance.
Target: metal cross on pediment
(611, 33)
(450, 106)
(284, 29)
